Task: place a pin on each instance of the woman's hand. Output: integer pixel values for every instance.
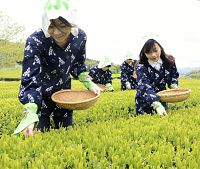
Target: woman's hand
(128, 86)
(109, 87)
(86, 80)
(159, 108)
(134, 76)
(27, 124)
(96, 89)
(173, 86)
(29, 108)
(28, 131)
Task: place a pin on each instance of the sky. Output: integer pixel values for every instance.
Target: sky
(114, 27)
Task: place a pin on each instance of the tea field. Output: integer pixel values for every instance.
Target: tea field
(108, 135)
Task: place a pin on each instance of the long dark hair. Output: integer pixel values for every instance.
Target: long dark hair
(63, 20)
(149, 45)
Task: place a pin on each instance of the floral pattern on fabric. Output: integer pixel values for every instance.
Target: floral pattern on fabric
(149, 82)
(99, 76)
(126, 75)
(47, 67)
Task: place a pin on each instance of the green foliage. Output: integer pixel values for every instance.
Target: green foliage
(10, 73)
(116, 76)
(90, 63)
(10, 53)
(107, 135)
(116, 69)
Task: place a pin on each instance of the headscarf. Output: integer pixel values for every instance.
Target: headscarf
(128, 55)
(105, 62)
(143, 39)
(54, 9)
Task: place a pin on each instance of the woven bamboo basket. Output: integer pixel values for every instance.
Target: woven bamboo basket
(102, 87)
(75, 99)
(174, 95)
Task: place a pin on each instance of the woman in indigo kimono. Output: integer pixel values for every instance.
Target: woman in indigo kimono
(51, 54)
(128, 73)
(155, 70)
(102, 74)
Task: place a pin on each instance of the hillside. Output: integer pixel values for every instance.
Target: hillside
(193, 74)
(186, 70)
(11, 54)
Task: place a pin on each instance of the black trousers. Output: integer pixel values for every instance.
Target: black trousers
(61, 117)
(44, 123)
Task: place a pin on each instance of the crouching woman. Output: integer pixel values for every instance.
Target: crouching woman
(155, 71)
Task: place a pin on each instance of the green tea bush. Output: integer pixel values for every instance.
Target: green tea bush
(107, 135)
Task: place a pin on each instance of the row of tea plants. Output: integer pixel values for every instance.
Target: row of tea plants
(108, 135)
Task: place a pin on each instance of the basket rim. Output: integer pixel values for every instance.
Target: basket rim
(72, 103)
(162, 93)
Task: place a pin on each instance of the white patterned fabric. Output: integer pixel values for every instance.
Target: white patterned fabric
(156, 65)
(56, 8)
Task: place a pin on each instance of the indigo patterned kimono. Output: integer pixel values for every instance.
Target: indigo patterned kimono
(126, 75)
(150, 81)
(99, 76)
(47, 67)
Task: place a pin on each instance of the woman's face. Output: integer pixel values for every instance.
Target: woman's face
(154, 54)
(106, 68)
(129, 61)
(59, 32)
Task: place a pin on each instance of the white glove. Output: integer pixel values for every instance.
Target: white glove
(159, 108)
(128, 85)
(173, 86)
(88, 83)
(94, 88)
(109, 87)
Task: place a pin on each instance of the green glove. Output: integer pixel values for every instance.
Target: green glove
(109, 87)
(173, 86)
(85, 79)
(30, 107)
(31, 117)
(159, 108)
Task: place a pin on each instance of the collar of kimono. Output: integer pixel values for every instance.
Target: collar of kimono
(157, 64)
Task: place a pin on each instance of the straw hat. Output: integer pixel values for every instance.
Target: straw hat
(56, 8)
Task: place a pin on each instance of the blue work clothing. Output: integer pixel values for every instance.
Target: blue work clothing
(46, 69)
(149, 82)
(99, 76)
(126, 75)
